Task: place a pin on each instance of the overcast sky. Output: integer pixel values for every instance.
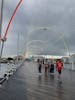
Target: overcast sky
(56, 16)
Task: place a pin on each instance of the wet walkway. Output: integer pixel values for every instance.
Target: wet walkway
(26, 84)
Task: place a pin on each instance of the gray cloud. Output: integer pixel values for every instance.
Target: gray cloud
(56, 14)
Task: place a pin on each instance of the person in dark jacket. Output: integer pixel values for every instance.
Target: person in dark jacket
(52, 68)
(39, 66)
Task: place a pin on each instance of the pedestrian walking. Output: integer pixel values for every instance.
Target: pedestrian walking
(40, 66)
(59, 66)
(52, 68)
(46, 66)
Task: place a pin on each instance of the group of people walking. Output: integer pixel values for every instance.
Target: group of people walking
(49, 66)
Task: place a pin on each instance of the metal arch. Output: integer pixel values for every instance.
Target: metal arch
(32, 41)
(6, 32)
(11, 19)
(50, 28)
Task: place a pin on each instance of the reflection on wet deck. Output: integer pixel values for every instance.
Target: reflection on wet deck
(27, 84)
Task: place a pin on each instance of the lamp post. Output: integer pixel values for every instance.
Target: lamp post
(1, 18)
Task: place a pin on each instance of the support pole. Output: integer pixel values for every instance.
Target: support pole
(1, 19)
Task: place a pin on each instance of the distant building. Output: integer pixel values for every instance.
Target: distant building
(66, 59)
(69, 62)
(3, 60)
(18, 57)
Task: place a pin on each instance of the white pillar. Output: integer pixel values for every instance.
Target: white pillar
(72, 65)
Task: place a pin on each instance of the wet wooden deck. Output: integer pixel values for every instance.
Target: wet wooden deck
(26, 84)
